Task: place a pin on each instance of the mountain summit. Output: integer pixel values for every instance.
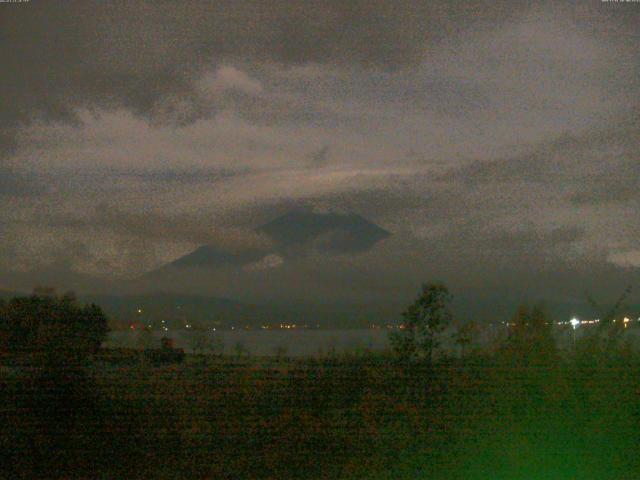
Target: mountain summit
(329, 232)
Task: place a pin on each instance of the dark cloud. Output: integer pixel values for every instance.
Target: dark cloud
(545, 163)
(534, 244)
(599, 166)
(154, 226)
(17, 183)
(620, 183)
(145, 55)
(320, 156)
(183, 176)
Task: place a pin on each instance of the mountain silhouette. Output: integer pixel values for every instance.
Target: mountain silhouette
(329, 232)
(293, 234)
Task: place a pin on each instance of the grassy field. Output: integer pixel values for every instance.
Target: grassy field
(354, 416)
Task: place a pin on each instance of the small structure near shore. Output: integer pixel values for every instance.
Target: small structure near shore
(166, 354)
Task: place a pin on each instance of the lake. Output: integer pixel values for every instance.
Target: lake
(303, 342)
(299, 342)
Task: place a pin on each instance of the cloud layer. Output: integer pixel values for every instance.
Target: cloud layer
(493, 136)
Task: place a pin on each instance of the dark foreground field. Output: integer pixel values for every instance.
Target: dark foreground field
(365, 416)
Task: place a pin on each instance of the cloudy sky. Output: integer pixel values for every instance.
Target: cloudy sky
(498, 140)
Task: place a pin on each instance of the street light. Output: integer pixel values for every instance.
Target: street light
(574, 324)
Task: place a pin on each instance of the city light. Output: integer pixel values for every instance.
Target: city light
(574, 323)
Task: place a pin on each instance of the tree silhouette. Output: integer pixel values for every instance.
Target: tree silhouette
(199, 341)
(531, 333)
(464, 335)
(280, 352)
(145, 338)
(52, 329)
(607, 317)
(607, 337)
(423, 321)
(217, 346)
(241, 349)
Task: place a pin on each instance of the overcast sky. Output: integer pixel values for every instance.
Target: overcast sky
(498, 141)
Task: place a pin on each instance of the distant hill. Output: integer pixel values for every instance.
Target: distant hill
(210, 256)
(223, 312)
(209, 311)
(202, 311)
(156, 307)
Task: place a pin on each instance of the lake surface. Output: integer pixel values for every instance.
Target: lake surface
(302, 342)
(299, 342)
